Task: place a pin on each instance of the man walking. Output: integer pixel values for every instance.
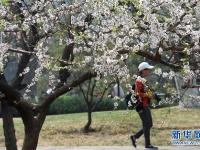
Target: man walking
(143, 96)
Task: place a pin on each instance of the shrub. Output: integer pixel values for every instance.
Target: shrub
(76, 104)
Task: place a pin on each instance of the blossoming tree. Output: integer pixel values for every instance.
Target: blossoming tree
(99, 34)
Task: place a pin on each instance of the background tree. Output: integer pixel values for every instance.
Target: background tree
(93, 92)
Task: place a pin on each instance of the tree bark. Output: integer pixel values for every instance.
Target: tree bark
(31, 139)
(8, 126)
(32, 131)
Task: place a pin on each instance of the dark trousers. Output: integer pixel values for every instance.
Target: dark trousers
(145, 116)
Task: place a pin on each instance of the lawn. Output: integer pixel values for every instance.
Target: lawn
(112, 127)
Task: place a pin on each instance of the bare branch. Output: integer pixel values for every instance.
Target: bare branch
(103, 94)
(20, 51)
(82, 91)
(34, 53)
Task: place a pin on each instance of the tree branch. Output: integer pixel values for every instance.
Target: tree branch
(101, 98)
(151, 57)
(34, 53)
(66, 88)
(14, 98)
(172, 27)
(82, 91)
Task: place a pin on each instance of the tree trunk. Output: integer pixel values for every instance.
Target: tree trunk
(31, 138)
(87, 127)
(8, 127)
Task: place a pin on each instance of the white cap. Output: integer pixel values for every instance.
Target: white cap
(144, 65)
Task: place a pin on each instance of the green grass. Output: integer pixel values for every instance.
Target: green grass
(112, 127)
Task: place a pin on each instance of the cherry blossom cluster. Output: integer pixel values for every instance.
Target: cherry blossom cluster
(100, 29)
(4, 49)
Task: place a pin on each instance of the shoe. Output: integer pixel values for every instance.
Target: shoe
(151, 147)
(133, 140)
